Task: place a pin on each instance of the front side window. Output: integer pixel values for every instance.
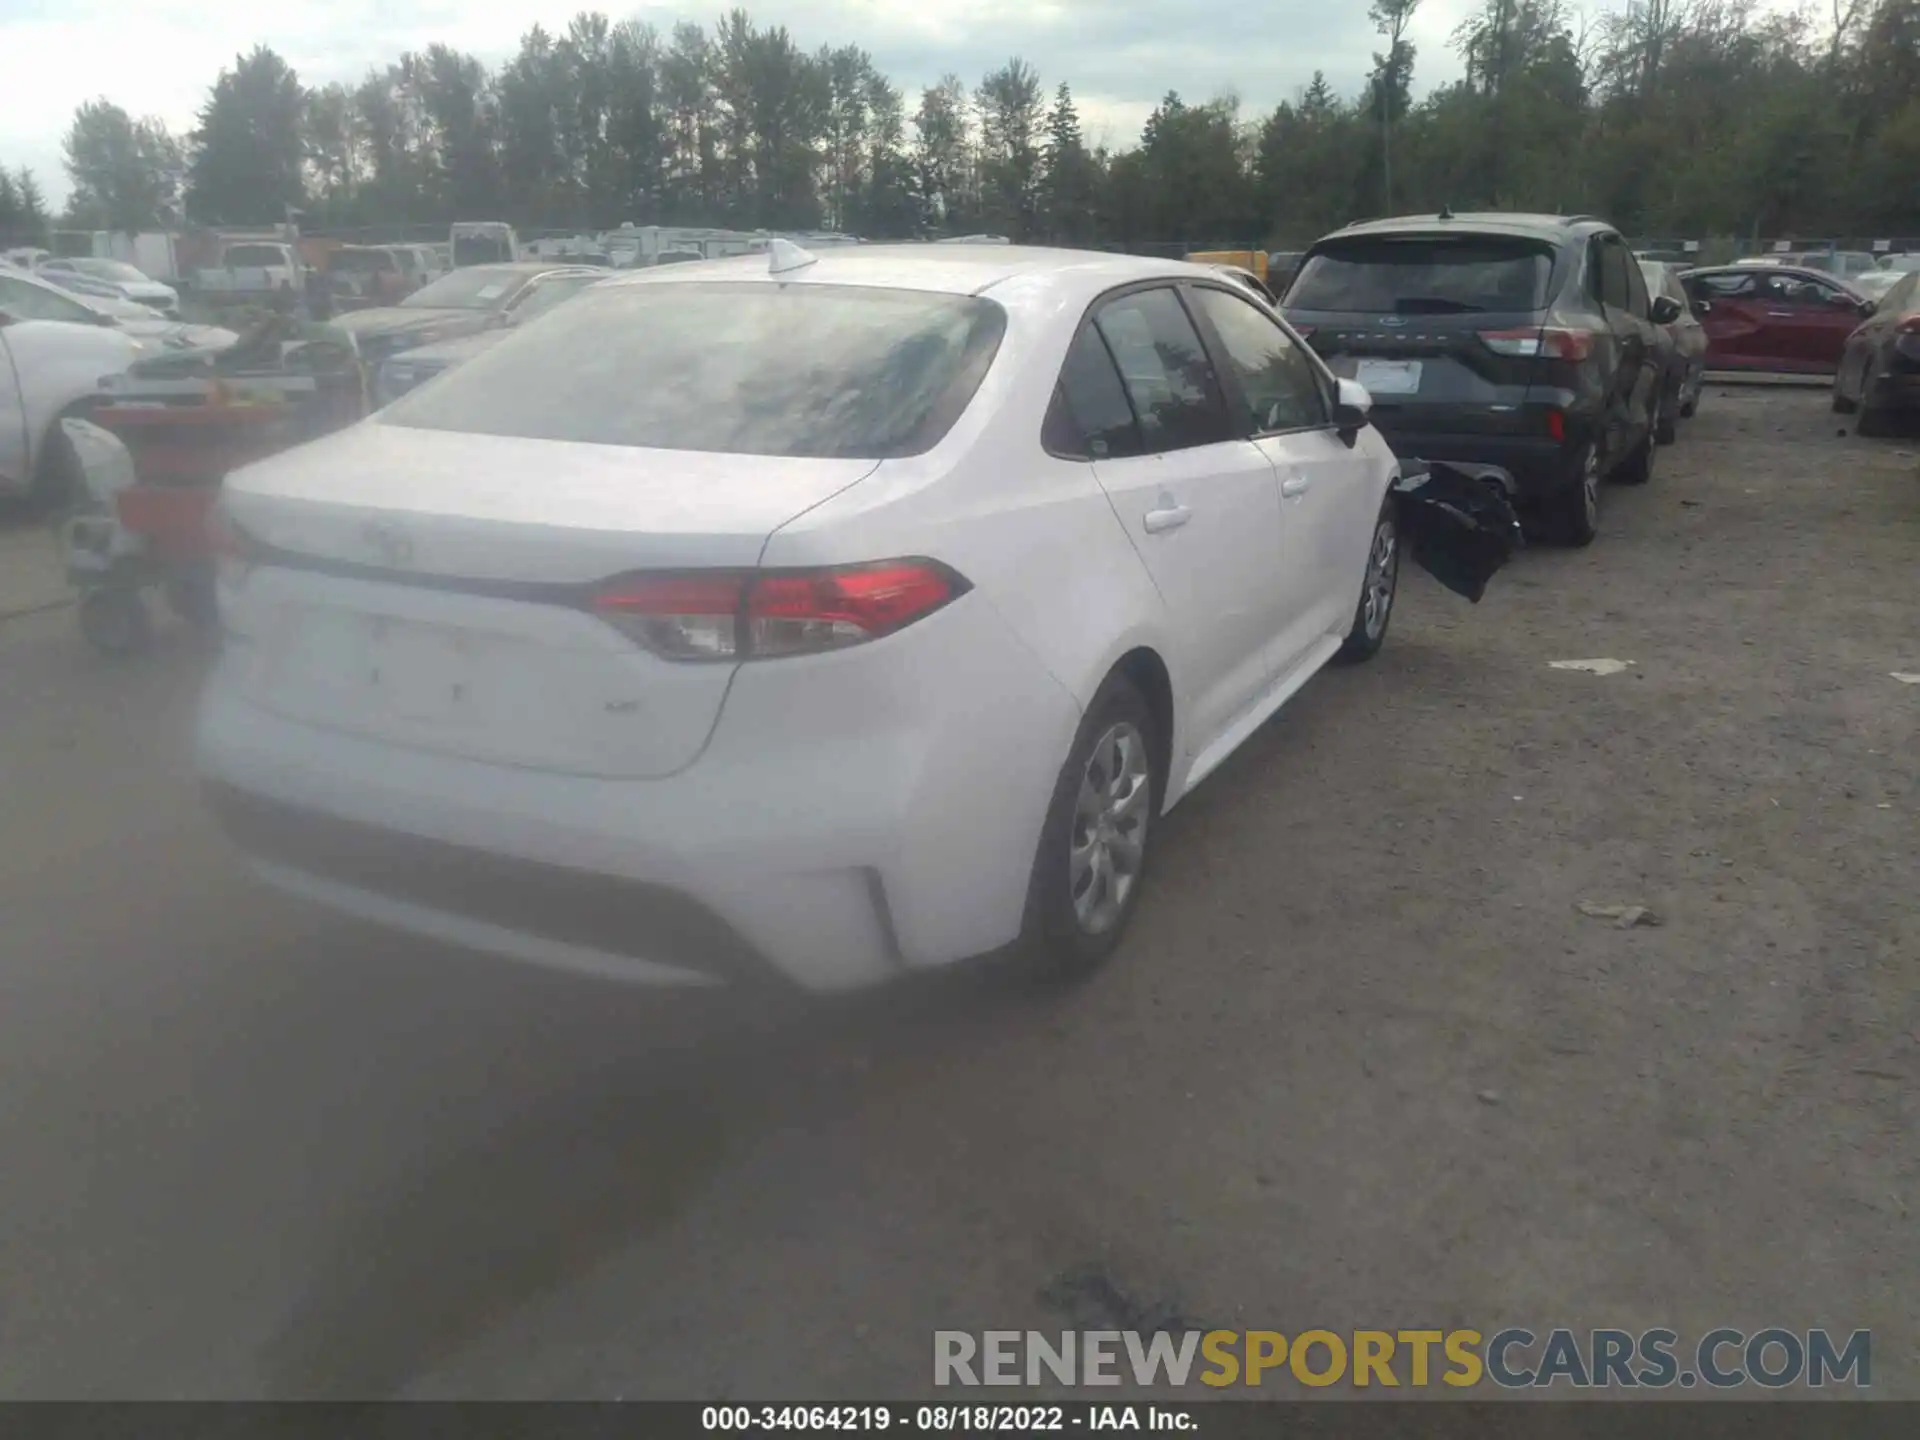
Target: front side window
(1168, 379)
(742, 368)
(1804, 290)
(1277, 381)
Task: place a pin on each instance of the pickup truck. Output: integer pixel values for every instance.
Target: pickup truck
(254, 270)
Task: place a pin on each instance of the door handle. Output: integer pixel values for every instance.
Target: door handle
(1294, 488)
(1167, 517)
(1779, 314)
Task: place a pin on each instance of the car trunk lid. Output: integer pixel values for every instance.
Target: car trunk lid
(433, 589)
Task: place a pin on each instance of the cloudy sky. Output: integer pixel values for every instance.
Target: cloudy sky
(158, 57)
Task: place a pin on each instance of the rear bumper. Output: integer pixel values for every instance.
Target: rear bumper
(1530, 467)
(830, 834)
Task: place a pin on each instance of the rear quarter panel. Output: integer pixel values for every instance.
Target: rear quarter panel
(1035, 535)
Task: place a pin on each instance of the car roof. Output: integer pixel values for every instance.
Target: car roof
(1478, 222)
(943, 268)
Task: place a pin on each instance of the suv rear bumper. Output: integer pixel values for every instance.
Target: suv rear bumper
(1530, 467)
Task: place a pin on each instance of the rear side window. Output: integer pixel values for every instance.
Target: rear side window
(1901, 296)
(1425, 275)
(743, 368)
(1175, 395)
(1091, 418)
(254, 255)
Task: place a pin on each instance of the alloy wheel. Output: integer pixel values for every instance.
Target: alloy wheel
(1383, 573)
(1108, 839)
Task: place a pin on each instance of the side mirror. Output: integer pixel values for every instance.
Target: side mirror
(1666, 310)
(1351, 406)
(1703, 307)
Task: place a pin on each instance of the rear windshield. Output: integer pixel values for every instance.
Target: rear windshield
(1424, 275)
(361, 261)
(829, 371)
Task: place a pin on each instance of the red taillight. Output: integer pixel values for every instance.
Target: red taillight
(1909, 324)
(731, 614)
(1305, 332)
(1556, 426)
(1549, 340)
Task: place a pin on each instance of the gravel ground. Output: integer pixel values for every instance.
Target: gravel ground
(1362, 1063)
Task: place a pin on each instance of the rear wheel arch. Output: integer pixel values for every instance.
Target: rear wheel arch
(1147, 672)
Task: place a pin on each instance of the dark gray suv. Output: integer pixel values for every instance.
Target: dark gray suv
(1523, 343)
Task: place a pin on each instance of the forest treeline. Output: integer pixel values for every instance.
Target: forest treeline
(1671, 117)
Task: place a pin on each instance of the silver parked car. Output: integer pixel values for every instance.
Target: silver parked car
(110, 280)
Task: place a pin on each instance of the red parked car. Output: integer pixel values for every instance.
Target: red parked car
(1774, 317)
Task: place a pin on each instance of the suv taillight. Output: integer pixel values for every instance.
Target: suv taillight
(750, 615)
(1909, 324)
(1549, 340)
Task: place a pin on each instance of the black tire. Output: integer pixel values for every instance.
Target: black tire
(1369, 630)
(1573, 509)
(1060, 944)
(1638, 467)
(116, 623)
(56, 474)
(1873, 422)
(1843, 403)
(1666, 428)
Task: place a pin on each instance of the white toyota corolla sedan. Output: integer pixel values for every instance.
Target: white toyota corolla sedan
(831, 616)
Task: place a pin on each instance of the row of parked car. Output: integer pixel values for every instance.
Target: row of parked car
(844, 614)
(1542, 349)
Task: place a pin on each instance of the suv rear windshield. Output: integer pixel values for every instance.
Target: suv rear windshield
(830, 371)
(1425, 275)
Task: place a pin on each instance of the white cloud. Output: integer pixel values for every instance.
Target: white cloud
(159, 58)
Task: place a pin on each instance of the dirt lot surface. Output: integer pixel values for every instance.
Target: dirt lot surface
(1362, 1062)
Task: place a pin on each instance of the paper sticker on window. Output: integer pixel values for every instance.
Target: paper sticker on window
(490, 292)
